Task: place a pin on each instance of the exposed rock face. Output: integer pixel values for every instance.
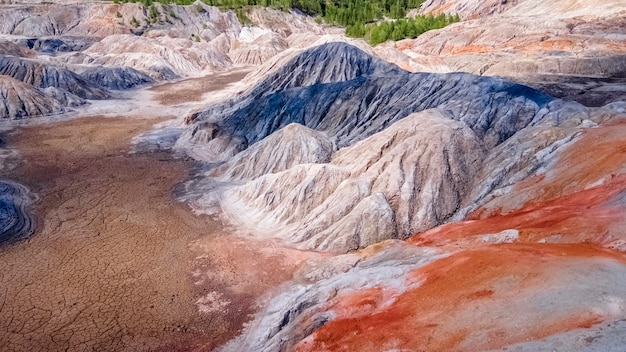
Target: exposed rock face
(385, 186)
(118, 78)
(101, 19)
(15, 221)
(42, 75)
(529, 41)
(59, 45)
(429, 296)
(177, 41)
(467, 9)
(12, 49)
(162, 57)
(20, 100)
(395, 173)
(259, 50)
(290, 146)
(286, 24)
(324, 87)
(64, 97)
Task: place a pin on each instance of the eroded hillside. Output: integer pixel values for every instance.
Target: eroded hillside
(175, 180)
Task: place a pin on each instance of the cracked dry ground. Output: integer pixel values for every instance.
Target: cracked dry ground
(110, 265)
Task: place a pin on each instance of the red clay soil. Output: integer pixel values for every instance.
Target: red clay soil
(466, 301)
(599, 155)
(579, 217)
(561, 202)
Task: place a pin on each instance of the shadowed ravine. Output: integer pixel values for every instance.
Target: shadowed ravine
(109, 266)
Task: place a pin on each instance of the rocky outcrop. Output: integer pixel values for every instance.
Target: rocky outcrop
(15, 221)
(288, 147)
(164, 40)
(161, 57)
(258, 50)
(400, 167)
(42, 75)
(528, 41)
(465, 9)
(64, 97)
(60, 45)
(117, 78)
(385, 186)
(12, 49)
(101, 19)
(341, 90)
(20, 100)
(427, 292)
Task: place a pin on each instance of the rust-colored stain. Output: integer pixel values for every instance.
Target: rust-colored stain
(465, 302)
(562, 205)
(441, 9)
(472, 48)
(578, 217)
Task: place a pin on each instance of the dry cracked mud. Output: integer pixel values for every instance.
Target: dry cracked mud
(192, 89)
(115, 261)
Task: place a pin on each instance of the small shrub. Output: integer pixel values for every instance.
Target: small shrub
(134, 22)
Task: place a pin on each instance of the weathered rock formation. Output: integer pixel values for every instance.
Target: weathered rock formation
(19, 100)
(42, 75)
(161, 57)
(258, 50)
(12, 49)
(15, 221)
(427, 292)
(400, 168)
(118, 78)
(385, 186)
(532, 42)
(324, 86)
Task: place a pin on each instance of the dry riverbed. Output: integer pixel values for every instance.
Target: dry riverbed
(116, 263)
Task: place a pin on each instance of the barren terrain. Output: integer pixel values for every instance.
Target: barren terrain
(108, 268)
(173, 179)
(193, 89)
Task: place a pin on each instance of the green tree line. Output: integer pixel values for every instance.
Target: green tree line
(399, 29)
(340, 12)
(360, 17)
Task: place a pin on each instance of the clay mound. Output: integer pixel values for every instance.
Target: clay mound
(469, 9)
(42, 75)
(20, 100)
(60, 44)
(373, 188)
(385, 186)
(559, 283)
(283, 23)
(325, 88)
(64, 97)
(15, 221)
(157, 55)
(290, 146)
(257, 51)
(117, 78)
(400, 297)
(101, 19)
(576, 287)
(572, 49)
(12, 49)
